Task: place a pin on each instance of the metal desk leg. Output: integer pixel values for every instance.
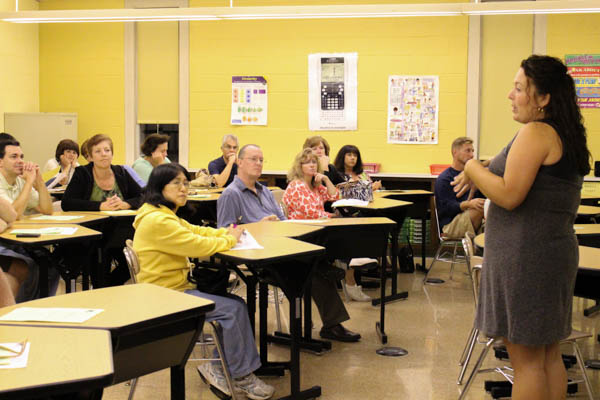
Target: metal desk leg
(394, 295)
(177, 383)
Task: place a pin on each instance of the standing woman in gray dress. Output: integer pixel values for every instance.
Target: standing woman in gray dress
(531, 252)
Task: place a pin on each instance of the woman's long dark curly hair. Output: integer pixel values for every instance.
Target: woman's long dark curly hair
(549, 76)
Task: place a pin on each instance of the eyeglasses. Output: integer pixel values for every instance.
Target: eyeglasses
(228, 147)
(178, 183)
(255, 160)
(11, 352)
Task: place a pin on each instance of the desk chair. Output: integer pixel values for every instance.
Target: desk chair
(445, 242)
(204, 340)
(489, 342)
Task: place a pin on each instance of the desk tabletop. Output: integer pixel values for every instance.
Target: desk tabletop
(589, 257)
(275, 249)
(347, 221)
(84, 217)
(203, 196)
(72, 359)
(265, 229)
(588, 210)
(587, 229)
(81, 233)
(407, 192)
(123, 305)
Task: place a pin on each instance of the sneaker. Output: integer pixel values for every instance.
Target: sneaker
(213, 375)
(254, 388)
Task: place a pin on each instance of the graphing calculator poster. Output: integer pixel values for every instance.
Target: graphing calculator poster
(413, 109)
(585, 70)
(332, 91)
(248, 100)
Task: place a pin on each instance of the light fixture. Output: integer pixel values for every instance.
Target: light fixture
(303, 12)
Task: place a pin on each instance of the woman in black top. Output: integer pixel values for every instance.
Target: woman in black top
(102, 186)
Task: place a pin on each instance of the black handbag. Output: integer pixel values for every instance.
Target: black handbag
(406, 259)
(209, 278)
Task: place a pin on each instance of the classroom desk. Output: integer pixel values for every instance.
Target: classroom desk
(83, 235)
(362, 237)
(60, 361)
(151, 327)
(421, 209)
(396, 211)
(290, 263)
(590, 212)
(588, 234)
(86, 218)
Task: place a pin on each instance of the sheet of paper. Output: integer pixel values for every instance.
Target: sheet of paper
(51, 230)
(247, 242)
(119, 212)
(74, 315)
(350, 203)
(14, 362)
(198, 196)
(56, 217)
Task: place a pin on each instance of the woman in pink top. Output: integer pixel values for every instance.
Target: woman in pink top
(304, 198)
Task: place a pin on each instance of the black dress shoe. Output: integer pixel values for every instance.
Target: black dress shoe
(339, 333)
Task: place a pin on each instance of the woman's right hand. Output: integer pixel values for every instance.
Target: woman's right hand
(461, 184)
(110, 204)
(235, 231)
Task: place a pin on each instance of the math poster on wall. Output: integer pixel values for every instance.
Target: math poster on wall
(413, 103)
(332, 91)
(585, 70)
(248, 100)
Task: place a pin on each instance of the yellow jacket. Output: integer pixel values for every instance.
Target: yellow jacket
(163, 241)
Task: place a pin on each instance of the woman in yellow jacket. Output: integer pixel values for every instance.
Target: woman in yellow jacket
(163, 243)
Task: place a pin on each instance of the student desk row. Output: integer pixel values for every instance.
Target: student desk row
(143, 328)
(82, 244)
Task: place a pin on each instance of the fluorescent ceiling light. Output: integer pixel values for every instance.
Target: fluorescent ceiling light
(303, 12)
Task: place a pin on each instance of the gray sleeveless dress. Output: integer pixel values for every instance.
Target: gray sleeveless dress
(530, 259)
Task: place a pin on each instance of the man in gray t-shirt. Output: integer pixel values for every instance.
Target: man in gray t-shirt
(246, 200)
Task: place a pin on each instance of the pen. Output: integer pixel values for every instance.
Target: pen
(238, 221)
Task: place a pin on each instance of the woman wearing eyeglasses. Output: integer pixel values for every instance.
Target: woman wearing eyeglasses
(163, 242)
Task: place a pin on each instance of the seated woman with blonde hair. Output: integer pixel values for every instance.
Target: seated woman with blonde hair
(305, 197)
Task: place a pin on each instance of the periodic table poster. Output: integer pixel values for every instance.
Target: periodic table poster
(413, 104)
(248, 100)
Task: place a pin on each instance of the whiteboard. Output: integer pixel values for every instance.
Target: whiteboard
(39, 133)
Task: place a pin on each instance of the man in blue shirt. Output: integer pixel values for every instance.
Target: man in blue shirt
(458, 216)
(245, 201)
(225, 168)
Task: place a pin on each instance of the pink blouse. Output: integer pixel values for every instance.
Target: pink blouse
(304, 203)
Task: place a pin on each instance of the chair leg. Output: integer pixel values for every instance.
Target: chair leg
(453, 259)
(217, 336)
(467, 353)
(586, 380)
(132, 385)
(476, 368)
(277, 311)
(435, 259)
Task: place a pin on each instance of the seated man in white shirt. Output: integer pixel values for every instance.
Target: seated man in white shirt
(22, 187)
(21, 182)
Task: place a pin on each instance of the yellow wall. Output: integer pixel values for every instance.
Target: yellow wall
(279, 51)
(82, 71)
(19, 63)
(578, 34)
(502, 50)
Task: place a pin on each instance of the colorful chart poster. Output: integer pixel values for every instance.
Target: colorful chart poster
(248, 100)
(413, 103)
(585, 70)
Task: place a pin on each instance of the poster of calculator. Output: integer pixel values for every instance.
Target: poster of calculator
(413, 103)
(332, 84)
(248, 100)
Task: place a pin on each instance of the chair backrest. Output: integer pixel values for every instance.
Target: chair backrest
(473, 267)
(278, 194)
(132, 260)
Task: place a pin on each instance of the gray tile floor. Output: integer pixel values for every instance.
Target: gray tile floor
(432, 324)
